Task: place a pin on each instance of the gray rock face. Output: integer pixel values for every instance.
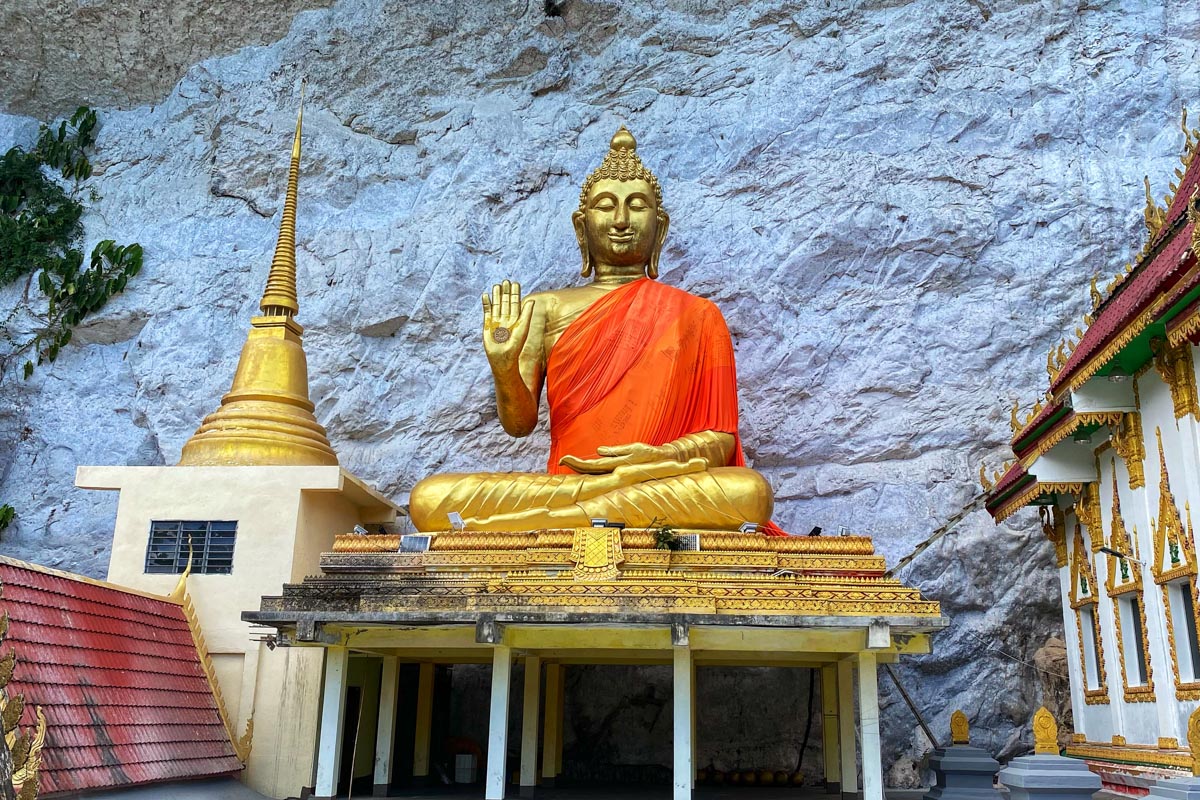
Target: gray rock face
(897, 206)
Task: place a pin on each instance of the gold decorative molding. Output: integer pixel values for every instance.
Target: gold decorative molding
(1073, 422)
(1118, 740)
(960, 730)
(1143, 693)
(1176, 369)
(597, 554)
(1193, 737)
(1045, 733)
(24, 748)
(241, 744)
(1174, 550)
(1124, 574)
(1054, 527)
(1087, 510)
(1168, 743)
(1083, 593)
(1128, 442)
(1144, 755)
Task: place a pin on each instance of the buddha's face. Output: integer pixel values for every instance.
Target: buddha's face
(621, 223)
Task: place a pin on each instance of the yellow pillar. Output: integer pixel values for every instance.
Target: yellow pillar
(529, 725)
(424, 722)
(830, 746)
(849, 756)
(552, 724)
(562, 708)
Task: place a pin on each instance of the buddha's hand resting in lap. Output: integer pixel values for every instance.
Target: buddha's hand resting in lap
(622, 455)
(505, 325)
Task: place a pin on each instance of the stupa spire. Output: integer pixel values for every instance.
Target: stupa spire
(279, 297)
(267, 419)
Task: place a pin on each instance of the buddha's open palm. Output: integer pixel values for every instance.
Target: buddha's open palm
(505, 325)
(621, 455)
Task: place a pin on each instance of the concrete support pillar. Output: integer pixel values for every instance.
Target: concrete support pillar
(684, 768)
(333, 714)
(868, 723)
(497, 751)
(830, 746)
(529, 725)
(385, 731)
(552, 724)
(424, 723)
(849, 754)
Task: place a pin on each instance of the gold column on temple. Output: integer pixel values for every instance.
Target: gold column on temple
(267, 419)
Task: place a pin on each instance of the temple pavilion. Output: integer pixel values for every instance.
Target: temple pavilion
(1110, 457)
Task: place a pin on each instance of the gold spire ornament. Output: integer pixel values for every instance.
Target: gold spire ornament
(1045, 733)
(267, 419)
(960, 730)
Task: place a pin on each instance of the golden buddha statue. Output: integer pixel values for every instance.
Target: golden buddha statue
(639, 378)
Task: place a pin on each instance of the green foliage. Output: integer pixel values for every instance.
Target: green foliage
(665, 537)
(7, 513)
(40, 229)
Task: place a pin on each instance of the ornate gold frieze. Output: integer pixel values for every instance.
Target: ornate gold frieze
(1127, 441)
(1073, 422)
(1131, 754)
(1174, 366)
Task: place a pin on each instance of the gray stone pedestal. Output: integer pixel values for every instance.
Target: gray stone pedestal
(1045, 776)
(963, 773)
(1176, 789)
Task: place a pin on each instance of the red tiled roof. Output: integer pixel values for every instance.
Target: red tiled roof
(119, 679)
(1133, 297)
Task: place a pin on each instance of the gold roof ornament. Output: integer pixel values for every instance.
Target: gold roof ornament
(1153, 215)
(267, 419)
(1045, 733)
(960, 730)
(983, 478)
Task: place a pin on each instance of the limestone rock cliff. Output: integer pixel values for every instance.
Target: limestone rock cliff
(897, 206)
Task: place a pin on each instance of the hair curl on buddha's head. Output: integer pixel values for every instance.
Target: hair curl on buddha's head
(623, 164)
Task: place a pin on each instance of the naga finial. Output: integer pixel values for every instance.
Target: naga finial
(983, 478)
(1097, 298)
(1013, 420)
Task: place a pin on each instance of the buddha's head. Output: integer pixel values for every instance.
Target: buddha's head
(620, 221)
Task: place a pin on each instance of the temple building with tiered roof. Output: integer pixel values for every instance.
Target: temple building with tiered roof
(1110, 456)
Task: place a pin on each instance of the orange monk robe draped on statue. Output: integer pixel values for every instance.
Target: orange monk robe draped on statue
(645, 363)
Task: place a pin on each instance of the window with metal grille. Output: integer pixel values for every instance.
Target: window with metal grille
(211, 547)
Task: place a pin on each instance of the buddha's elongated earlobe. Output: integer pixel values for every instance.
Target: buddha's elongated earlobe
(581, 237)
(660, 236)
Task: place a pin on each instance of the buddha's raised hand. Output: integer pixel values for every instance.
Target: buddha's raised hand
(505, 325)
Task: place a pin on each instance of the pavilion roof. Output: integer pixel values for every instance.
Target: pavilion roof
(119, 678)
(1158, 297)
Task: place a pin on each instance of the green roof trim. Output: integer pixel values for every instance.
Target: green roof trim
(1037, 432)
